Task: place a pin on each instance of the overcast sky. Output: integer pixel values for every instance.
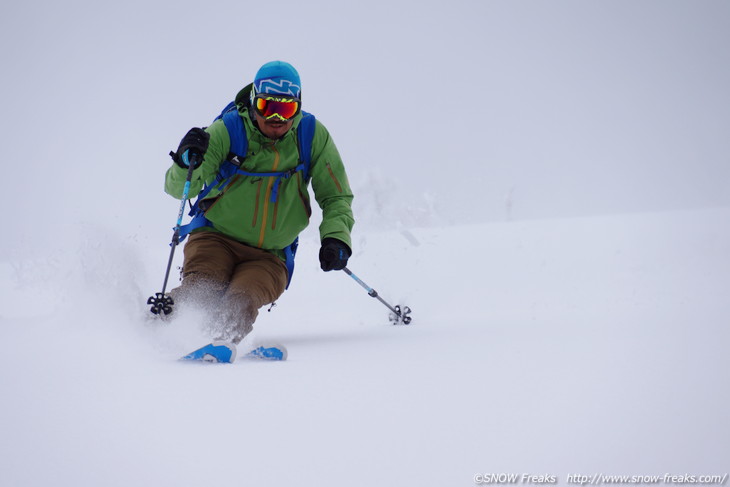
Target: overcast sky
(462, 110)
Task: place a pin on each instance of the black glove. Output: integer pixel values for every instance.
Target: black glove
(192, 148)
(333, 255)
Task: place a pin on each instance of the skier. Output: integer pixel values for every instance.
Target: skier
(240, 258)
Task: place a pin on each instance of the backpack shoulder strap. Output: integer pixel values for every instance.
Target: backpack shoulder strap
(305, 135)
(236, 132)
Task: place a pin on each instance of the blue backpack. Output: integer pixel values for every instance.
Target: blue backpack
(232, 167)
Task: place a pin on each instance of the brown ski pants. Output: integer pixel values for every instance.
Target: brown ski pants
(230, 280)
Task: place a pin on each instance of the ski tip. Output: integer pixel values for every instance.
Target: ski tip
(216, 352)
(269, 351)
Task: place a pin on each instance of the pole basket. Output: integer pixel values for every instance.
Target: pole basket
(401, 315)
(160, 304)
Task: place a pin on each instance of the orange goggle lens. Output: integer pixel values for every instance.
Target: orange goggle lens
(276, 107)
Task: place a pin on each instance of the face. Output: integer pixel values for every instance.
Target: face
(273, 128)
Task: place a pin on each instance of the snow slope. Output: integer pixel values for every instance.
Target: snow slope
(552, 346)
(558, 347)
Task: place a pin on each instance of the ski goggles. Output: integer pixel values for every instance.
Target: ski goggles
(277, 106)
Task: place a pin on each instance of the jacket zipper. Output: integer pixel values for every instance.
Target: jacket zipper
(269, 188)
(307, 208)
(334, 178)
(276, 211)
(256, 208)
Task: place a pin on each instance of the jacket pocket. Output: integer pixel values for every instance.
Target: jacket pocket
(208, 203)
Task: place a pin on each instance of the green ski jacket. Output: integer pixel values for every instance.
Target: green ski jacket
(243, 210)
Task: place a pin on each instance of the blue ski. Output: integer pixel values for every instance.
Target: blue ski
(270, 351)
(225, 352)
(219, 351)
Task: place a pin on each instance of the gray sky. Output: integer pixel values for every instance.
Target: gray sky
(443, 111)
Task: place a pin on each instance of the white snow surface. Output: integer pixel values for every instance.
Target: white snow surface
(545, 184)
(547, 347)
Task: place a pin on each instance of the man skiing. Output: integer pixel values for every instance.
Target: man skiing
(240, 255)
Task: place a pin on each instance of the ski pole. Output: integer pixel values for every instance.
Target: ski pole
(398, 315)
(159, 302)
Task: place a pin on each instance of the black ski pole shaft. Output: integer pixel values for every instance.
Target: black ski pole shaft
(161, 303)
(372, 292)
(401, 315)
(180, 214)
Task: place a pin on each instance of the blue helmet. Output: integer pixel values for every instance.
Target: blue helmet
(278, 78)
